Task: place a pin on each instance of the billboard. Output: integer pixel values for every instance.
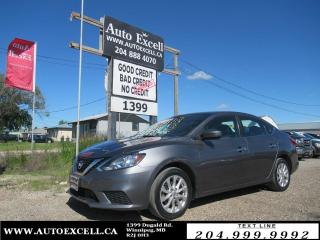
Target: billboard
(132, 44)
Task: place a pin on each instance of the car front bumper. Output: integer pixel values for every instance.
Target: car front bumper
(308, 152)
(316, 149)
(300, 151)
(118, 189)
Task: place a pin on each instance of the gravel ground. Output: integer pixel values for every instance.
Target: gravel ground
(299, 202)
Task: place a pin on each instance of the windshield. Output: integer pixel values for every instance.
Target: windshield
(174, 127)
(296, 135)
(309, 136)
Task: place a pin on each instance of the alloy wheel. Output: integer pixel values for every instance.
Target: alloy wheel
(174, 194)
(282, 175)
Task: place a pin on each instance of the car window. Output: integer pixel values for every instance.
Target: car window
(268, 127)
(252, 127)
(227, 126)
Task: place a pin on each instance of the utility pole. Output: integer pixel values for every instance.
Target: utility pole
(79, 81)
(176, 94)
(112, 118)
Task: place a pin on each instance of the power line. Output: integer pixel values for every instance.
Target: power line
(69, 60)
(249, 90)
(74, 107)
(256, 100)
(64, 62)
(70, 65)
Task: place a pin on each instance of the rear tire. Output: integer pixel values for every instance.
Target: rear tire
(280, 177)
(170, 194)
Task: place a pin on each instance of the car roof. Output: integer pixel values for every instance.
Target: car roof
(217, 113)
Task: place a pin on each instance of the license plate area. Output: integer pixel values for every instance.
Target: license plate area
(74, 182)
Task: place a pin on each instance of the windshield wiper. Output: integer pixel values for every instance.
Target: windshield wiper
(149, 135)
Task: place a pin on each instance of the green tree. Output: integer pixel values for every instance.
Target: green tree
(62, 122)
(16, 106)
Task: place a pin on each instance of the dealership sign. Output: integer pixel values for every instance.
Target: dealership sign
(132, 44)
(136, 56)
(21, 64)
(131, 80)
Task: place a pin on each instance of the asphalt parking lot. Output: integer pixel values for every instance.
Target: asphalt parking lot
(299, 202)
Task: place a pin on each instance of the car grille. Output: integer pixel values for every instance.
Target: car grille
(118, 197)
(82, 164)
(85, 193)
(306, 142)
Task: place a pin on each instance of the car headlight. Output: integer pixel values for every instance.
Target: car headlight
(317, 145)
(299, 141)
(123, 162)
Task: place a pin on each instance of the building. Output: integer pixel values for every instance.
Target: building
(307, 127)
(39, 131)
(60, 133)
(97, 125)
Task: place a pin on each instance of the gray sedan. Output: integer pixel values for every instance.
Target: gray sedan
(183, 158)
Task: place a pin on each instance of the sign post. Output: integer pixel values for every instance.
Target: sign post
(34, 95)
(79, 82)
(176, 88)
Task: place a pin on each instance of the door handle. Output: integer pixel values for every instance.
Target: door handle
(272, 145)
(242, 149)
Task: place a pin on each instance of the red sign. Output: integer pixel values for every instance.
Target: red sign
(21, 65)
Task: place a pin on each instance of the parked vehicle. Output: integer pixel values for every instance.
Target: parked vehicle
(315, 144)
(40, 138)
(303, 147)
(314, 135)
(6, 137)
(183, 158)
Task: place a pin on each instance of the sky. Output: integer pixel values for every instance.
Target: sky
(260, 57)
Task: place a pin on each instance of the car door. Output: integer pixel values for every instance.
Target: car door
(262, 144)
(222, 160)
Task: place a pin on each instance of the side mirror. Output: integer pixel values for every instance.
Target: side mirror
(211, 135)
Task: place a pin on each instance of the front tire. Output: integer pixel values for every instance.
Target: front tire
(280, 176)
(170, 194)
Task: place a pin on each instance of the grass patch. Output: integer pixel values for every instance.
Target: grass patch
(43, 170)
(22, 146)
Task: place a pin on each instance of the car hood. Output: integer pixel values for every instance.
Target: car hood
(111, 148)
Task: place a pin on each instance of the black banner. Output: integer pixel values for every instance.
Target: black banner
(132, 44)
(90, 230)
(159, 230)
